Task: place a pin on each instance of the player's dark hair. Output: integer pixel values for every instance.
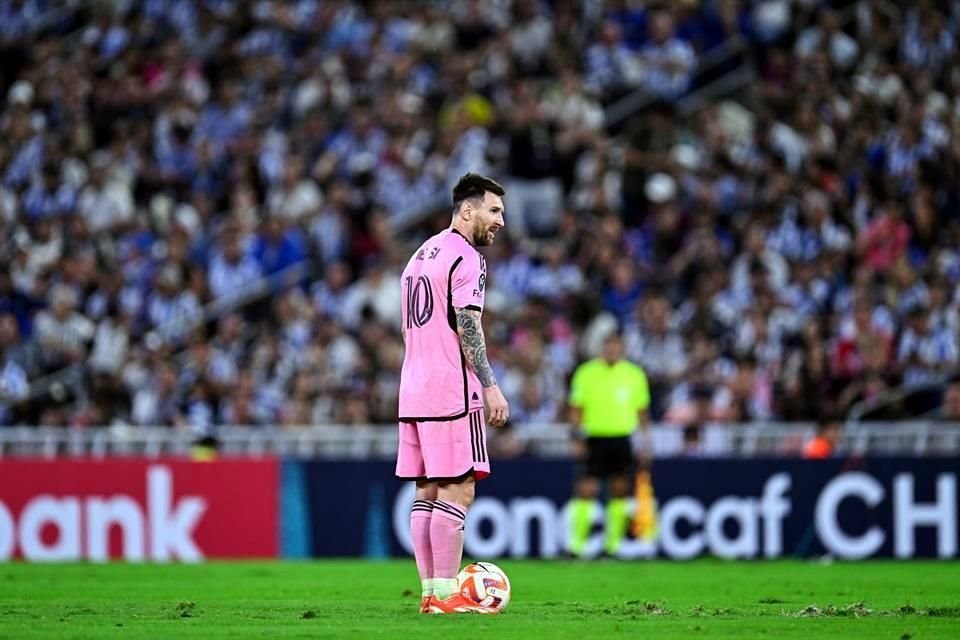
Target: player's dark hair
(615, 334)
(474, 185)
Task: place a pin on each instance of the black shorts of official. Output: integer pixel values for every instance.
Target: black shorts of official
(608, 457)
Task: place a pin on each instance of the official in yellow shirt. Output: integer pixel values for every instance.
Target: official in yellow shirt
(609, 397)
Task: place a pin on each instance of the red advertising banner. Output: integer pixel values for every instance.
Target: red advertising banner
(138, 510)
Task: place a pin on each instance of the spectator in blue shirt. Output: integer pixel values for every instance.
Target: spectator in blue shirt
(278, 245)
(667, 61)
(623, 290)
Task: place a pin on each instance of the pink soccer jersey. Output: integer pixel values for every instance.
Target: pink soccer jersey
(436, 382)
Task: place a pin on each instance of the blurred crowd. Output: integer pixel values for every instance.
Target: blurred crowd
(781, 253)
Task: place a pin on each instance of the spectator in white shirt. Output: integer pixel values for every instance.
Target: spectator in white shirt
(105, 203)
(63, 334)
(925, 353)
(170, 307)
(379, 289)
(111, 341)
(530, 35)
(296, 197)
(42, 246)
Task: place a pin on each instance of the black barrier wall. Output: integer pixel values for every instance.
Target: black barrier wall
(902, 508)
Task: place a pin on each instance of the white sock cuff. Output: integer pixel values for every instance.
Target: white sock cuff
(426, 586)
(443, 588)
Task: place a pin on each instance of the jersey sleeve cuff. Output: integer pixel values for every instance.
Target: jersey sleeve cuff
(463, 304)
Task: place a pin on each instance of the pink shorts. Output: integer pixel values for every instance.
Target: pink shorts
(450, 449)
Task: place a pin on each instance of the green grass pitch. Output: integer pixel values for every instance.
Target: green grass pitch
(355, 599)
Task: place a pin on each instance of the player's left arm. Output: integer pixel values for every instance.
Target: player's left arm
(474, 347)
(467, 295)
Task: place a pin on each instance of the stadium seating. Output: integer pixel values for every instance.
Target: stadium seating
(205, 204)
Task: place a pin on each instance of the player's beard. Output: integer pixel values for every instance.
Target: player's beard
(483, 236)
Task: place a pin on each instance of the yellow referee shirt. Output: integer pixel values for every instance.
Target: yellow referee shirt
(610, 396)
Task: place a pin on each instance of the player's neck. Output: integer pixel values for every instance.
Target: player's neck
(463, 232)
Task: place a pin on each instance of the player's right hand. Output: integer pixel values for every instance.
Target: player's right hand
(497, 407)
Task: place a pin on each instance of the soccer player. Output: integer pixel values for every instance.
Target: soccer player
(609, 397)
(445, 383)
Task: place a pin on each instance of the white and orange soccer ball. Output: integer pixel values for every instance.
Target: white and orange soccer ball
(486, 584)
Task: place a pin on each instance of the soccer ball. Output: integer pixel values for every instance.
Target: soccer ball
(486, 584)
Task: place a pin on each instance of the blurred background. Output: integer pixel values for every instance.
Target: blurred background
(206, 204)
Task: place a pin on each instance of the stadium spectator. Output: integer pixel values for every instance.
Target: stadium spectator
(63, 334)
(926, 352)
(14, 386)
(827, 36)
(612, 68)
(106, 203)
(232, 267)
(789, 245)
(158, 401)
(950, 409)
(667, 62)
(536, 193)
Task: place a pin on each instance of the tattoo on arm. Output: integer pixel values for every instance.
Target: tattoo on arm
(474, 346)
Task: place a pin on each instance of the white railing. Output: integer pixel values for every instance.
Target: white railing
(378, 442)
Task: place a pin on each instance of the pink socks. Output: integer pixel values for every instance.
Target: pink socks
(420, 518)
(446, 538)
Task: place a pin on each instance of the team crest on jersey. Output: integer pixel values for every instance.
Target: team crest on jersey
(481, 283)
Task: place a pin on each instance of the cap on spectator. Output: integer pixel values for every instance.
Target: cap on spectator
(660, 188)
(686, 156)
(186, 217)
(170, 276)
(413, 157)
(21, 93)
(62, 293)
(161, 209)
